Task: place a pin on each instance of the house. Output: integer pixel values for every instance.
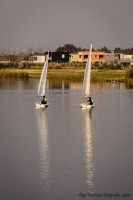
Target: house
(53, 56)
(73, 57)
(126, 59)
(97, 57)
(37, 58)
(60, 57)
(110, 57)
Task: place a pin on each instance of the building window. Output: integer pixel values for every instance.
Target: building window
(34, 58)
(100, 56)
(63, 55)
(85, 56)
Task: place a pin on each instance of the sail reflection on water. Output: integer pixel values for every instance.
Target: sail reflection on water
(44, 148)
(89, 163)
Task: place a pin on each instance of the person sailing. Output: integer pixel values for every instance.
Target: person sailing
(90, 101)
(44, 100)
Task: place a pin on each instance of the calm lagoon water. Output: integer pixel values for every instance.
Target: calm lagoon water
(63, 152)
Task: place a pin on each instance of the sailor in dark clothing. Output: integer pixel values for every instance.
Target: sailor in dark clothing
(44, 100)
(90, 101)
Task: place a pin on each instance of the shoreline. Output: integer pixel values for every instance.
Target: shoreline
(74, 74)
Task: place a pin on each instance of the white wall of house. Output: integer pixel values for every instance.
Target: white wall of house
(37, 59)
(123, 56)
(126, 59)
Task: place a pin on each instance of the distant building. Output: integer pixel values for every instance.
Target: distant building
(53, 56)
(37, 58)
(73, 57)
(110, 57)
(126, 59)
(60, 57)
(97, 57)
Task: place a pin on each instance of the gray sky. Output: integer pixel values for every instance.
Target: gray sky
(48, 24)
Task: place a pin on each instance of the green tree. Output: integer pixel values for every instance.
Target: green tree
(104, 49)
(70, 48)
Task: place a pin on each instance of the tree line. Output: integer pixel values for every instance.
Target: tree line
(71, 48)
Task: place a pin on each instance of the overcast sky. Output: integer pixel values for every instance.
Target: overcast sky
(48, 24)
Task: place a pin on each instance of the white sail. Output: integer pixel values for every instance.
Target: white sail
(86, 83)
(42, 83)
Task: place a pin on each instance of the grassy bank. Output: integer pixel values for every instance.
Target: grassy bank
(13, 74)
(108, 75)
(74, 74)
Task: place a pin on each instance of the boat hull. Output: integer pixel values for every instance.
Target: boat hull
(40, 105)
(84, 105)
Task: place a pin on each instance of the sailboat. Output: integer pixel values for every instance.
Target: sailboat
(42, 85)
(86, 82)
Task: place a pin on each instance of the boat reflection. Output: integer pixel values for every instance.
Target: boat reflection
(44, 148)
(89, 163)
